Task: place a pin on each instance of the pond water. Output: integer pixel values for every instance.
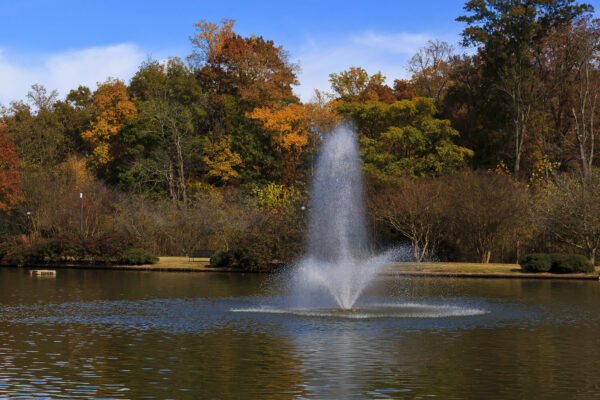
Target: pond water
(127, 334)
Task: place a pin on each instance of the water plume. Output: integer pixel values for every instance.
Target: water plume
(338, 259)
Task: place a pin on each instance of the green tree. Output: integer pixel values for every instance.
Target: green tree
(38, 132)
(163, 143)
(405, 138)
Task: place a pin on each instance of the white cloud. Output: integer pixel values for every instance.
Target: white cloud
(67, 70)
(400, 43)
(373, 52)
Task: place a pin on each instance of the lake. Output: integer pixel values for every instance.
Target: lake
(129, 334)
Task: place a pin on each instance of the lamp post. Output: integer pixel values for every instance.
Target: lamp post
(81, 213)
(303, 209)
(28, 225)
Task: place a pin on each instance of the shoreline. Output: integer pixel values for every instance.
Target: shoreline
(400, 269)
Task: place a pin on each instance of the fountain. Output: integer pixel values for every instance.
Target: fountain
(338, 259)
(338, 265)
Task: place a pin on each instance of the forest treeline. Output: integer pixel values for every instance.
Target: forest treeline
(487, 152)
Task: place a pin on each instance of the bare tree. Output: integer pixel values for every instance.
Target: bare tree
(40, 98)
(570, 210)
(485, 210)
(415, 208)
(430, 68)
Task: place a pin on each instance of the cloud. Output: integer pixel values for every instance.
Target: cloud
(66, 70)
(373, 52)
(400, 43)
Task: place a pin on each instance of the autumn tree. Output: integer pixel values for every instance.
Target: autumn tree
(10, 180)
(506, 33)
(404, 90)
(237, 75)
(291, 133)
(356, 83)
(584, 39)
(111, 109)
(251, 68)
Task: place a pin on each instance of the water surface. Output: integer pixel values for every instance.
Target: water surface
(128, 334)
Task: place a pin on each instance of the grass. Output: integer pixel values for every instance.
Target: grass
(183, 263)
(460, 268)
(166, 262)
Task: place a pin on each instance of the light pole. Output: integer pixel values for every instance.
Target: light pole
(81, 213)
(303, 209)
(28, 225)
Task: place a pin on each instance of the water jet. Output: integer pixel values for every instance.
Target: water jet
(338, 260)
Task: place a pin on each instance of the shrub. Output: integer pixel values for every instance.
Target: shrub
(138, 256)
(64, 249)
(220, 259)
(537, 263)
(572, 263)
(254, 252)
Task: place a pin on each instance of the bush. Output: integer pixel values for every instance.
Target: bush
(556, 263)
(572, 263)
(220, 259)
(254, 252)
(94, 249)
(538, 262)
(137, 256)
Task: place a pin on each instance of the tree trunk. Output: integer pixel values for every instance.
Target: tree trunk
(486, 257)
(591, 253)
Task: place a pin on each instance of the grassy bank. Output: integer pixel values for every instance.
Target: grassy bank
(476, 270)
(432, 269)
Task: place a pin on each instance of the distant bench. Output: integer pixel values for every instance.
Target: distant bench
(204, 254)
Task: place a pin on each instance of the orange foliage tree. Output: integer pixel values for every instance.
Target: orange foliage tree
(10, 180)
(111, 108)
(290, 130)
(252, 68)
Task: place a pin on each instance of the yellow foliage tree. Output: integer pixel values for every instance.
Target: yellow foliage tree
(292, 130)
(111, 108)
(221, 161)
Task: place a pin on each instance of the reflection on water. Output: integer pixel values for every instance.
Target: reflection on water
(118, 334)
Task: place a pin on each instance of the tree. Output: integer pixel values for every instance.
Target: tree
(404, 90)
(52, 197)
(162, 148)
(355, 82)
(39, 97)
(251, 68)
(291, 133)
(485, 211)
(567, 62)
(34, 131)
(10, 179)
(570, 210)
(237, 75)
(221, 162)
(405, 138)
(585, 37)
(415, 208)
(430, 69)
(112, 108)
(506, 33)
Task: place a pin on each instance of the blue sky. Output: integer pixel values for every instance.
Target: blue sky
(64, 43)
